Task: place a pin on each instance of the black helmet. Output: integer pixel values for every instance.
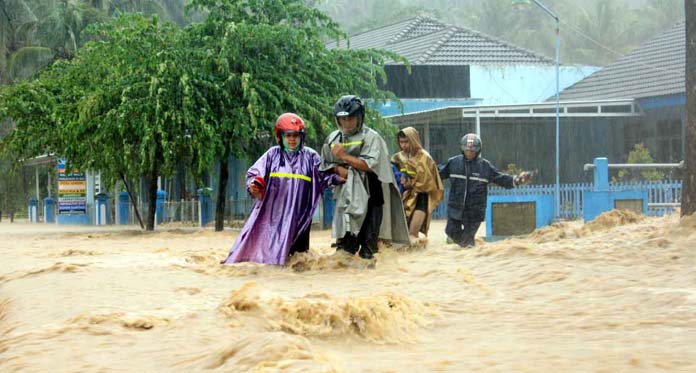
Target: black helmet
(349, 106)
(471, 142)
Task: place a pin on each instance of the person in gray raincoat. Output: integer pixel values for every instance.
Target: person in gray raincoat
(368, 205)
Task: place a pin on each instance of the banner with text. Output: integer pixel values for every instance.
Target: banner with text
(72, 191)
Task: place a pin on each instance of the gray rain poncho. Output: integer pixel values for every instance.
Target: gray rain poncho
(352, 197)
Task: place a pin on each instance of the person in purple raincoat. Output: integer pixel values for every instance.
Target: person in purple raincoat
(287, 185)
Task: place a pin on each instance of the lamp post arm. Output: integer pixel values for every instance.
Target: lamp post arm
(546, 9)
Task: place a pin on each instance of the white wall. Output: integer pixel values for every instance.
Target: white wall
(523, 83)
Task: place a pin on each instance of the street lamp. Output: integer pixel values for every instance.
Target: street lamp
(558, 105)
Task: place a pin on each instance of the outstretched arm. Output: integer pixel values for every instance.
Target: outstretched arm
(504, 180)
(444, 170)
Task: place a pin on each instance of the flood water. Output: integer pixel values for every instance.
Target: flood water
(618, 294)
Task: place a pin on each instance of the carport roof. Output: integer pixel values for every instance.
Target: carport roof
(596, 108)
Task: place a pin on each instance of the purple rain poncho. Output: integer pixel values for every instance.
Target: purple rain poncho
(294, 186)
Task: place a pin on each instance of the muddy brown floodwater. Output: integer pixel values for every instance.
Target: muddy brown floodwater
(618, 294)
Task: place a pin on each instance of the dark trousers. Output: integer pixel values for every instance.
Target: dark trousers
(301, 243)
(462, 232)
(366, 240)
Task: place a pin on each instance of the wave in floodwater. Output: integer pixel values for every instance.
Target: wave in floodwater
(560, 299)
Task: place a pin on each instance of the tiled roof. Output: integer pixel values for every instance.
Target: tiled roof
(656, 68)
(426, 41)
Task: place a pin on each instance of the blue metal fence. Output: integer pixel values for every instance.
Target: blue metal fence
(659, 192)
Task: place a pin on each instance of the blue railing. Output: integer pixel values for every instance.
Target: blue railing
(664, 191)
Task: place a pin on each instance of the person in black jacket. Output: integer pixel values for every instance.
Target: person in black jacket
(470, 175)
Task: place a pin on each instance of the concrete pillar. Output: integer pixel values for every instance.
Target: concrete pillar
(601, 174)
(101, 209)
(160, 208)
(123, 208)
(49, 212)
(33, 210)
(205, 206)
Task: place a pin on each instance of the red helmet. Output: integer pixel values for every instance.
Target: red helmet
(288, 122)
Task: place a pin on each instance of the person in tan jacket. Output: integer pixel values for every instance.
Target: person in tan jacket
(423, 189)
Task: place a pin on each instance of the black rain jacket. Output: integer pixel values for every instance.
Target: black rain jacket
(469, 186)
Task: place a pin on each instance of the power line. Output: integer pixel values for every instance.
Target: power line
(649, 66)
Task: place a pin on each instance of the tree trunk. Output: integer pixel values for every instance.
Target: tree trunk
(222, 191)
(688, 203)
(11, 216)
(152, 200)
(131, 196)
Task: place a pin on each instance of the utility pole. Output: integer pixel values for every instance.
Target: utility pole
(688, 202)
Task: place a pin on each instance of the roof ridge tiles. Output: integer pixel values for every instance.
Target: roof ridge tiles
(405, 30)
(415, 22)
(505, 43)
(412, 19)
(424, 39)
(436, 46)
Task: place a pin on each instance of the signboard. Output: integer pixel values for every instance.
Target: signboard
(72, 191)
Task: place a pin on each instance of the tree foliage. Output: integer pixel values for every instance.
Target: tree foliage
(34, 33)
(266, 57)
(11, 191)
(125, 105)
(141, 97)
(140, 114)
(640, 155)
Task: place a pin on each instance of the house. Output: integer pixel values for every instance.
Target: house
(639, 98)
(456, 66)
(654, 77)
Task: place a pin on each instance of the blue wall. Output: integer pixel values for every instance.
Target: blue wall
(657, 102)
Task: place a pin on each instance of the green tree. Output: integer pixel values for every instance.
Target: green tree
(143, 96)
(31, 129)
(61, 30)
(34, 33)
(20, 53)
(268, 57)
(139, 114)
(640, 155)
(657, 15)
(172, 10)
(607, 23)
(25, 108)
(11, 191)
(124, 105)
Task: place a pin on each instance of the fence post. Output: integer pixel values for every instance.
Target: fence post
(159, 207)
(123, 208)
(33, 210)
(101, 215)
(601, 174)
(49, 212)
(205, 206)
